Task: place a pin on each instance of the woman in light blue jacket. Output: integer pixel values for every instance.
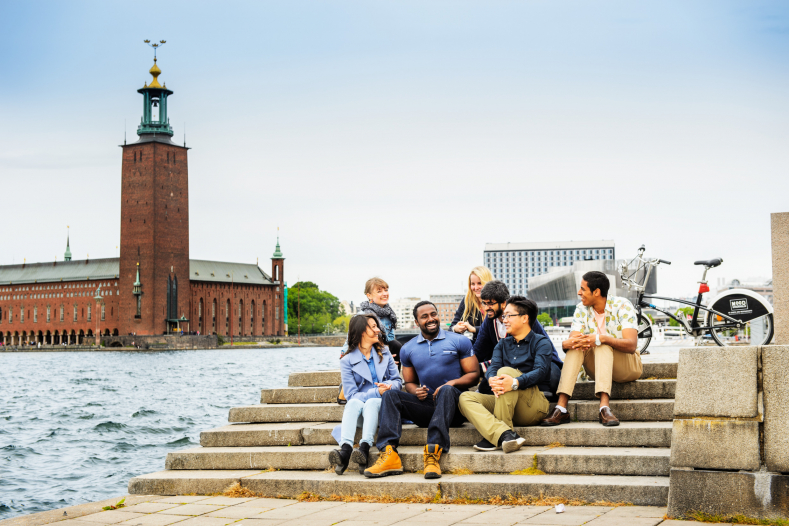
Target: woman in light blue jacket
(368, 371)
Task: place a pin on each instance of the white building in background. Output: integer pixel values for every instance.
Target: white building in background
(404, 310)
(515, 263)
(348, 307)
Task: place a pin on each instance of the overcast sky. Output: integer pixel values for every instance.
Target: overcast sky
(397, 138)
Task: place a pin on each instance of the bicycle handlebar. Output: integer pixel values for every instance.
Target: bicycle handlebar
(664, 261)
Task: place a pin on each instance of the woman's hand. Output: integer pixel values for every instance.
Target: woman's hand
(460, 328)
(470, 328)
(382, 388)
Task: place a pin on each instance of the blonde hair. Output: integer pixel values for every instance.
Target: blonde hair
(373, 283)
(473, 304)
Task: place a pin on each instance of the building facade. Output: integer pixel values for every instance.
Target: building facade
(153, 287)
(446, 305)
(404, 310)
(515, 263)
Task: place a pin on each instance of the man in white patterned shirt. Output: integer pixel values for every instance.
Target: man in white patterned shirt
(603, 339)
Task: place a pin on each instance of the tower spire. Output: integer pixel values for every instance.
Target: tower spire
(155, 96)
(277, 252)
(67, 255)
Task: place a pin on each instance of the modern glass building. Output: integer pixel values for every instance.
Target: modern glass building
(515, 263)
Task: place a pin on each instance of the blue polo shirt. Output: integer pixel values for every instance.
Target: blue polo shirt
(438, 361)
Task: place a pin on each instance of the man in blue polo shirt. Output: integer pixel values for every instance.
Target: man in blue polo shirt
(437, 367)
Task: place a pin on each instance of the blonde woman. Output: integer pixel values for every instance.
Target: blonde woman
(469, 316)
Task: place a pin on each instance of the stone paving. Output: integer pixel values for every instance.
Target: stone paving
(221, 511)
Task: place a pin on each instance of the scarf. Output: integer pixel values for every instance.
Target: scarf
(382, 312)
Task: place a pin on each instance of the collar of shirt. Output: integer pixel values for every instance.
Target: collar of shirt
(527, 339)
(440, 336)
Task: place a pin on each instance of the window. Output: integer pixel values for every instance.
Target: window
(48, 317)
(75, 312)
(89, 312)
(139, 307)
(102, 313)
(10, 314)
(22, 314)
(61, 313)
(227, 318)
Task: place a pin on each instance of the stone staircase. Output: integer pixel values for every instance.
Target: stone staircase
(280, 448)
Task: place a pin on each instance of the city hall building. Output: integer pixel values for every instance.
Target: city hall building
(153, 288)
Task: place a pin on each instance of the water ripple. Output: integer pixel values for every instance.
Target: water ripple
(79, 435)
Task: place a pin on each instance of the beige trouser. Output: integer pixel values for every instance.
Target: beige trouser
(493, 416)
(603, 364)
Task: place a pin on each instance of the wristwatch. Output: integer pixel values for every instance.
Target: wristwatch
(597, 339)
(514, 384)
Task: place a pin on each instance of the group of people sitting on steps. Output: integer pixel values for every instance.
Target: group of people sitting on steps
(498, 379)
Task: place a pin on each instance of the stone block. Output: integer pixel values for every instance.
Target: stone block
(659, 370)
(276, 434)
(186, 482)
(775, 366)
(715, 444)
(314, 379)
(779, 224)
(300, 395)
(717, 381)
(626, 410)
(640, 389)
(762, 495)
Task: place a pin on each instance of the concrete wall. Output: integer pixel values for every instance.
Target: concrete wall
(323, 341)
(163, 342)
(780, 241)
(730, 440)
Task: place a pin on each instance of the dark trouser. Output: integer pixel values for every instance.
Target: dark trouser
(437, 415)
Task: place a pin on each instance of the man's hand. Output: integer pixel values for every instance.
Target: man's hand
(501, 384)
(580, 341)
(382, 388)
(435, 393)
(421, 392)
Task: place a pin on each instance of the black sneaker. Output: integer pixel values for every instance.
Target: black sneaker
(339, 458)
(510, 441)
(361, 456)
(484, 445)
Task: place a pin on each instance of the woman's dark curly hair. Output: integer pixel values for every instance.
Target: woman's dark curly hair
(357, 327)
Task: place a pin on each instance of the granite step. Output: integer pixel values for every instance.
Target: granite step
(582, 410)
(591, 434)
(556, 460)
(332, 377)
(640, 389)
(638, 490)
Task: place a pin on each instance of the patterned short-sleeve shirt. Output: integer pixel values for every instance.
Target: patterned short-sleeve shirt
(619, 315)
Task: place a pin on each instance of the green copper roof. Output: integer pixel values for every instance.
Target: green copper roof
(225, 272)
(277, 252)
(67, 255)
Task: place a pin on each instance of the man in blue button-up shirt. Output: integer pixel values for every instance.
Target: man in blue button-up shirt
(520, 365)
(437, 367)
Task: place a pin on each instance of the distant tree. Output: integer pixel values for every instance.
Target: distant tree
(684, 311)
(341, 324)
(545, 319)
(318, 308)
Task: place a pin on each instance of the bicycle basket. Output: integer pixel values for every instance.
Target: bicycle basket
(634, 273)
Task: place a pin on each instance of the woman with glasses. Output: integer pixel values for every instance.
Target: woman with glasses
(470, 313)
(368, 371)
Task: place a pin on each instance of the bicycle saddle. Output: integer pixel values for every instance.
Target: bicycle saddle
(709, 262)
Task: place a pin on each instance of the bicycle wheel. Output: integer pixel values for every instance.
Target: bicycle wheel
(725, 337)
(644, 334)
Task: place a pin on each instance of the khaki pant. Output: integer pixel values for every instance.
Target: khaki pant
(603, 364)
(493, 416)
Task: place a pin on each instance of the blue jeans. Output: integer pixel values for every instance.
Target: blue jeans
(437, 415)
(360, 414)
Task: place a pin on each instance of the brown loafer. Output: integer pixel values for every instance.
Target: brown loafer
(607, 418)
(556, 419)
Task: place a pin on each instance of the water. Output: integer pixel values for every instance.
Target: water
(76, 426)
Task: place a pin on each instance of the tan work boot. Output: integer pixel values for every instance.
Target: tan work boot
(431, 457)
(388, 463)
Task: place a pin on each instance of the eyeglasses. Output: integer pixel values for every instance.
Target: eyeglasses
(490, 303)
(505, 317)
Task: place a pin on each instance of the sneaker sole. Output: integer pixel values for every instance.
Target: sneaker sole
(485, 448)
(336, 461)
(359, 458)
(511, 446)
(386, 473)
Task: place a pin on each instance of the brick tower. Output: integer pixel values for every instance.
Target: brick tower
(154, 252)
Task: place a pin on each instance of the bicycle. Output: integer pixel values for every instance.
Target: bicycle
(728, 312)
